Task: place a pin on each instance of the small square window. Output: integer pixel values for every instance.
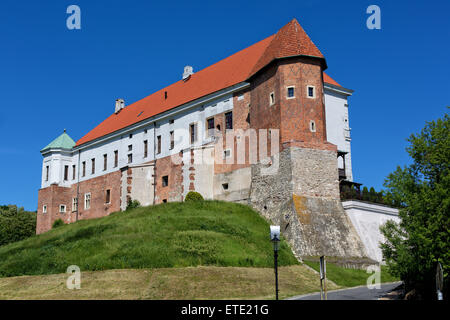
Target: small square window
(164, 200)
(131, 135)
(290, 92)
(171, 121)
(165, 181)
(225, 186)
(62, 208)
(130, 147)
(226, 153)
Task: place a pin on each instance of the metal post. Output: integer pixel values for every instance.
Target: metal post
(321, 289)
(275, 253)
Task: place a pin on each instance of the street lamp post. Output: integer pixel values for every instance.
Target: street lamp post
(275, 238)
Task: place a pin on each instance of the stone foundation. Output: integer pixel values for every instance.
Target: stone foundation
(302, 196)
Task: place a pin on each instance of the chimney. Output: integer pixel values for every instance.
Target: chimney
(188, 71)
(120, 104)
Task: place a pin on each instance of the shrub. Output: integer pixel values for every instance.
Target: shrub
(132, 204)
(193, 196)
(57, 223)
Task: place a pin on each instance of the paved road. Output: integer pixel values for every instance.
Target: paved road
(359, 293)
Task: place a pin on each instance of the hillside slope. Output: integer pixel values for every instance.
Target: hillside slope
(169, 235)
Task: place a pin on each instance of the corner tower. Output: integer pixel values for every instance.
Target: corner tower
(302, 195)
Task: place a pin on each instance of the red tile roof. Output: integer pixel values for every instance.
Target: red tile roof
(328, 79)
(290, 40)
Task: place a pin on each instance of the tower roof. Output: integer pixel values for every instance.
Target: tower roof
(64, 141)
(291, 40)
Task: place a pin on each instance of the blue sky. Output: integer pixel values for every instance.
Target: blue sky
(53, 78)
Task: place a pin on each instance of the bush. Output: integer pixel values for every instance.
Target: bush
(57, 223)
(132, 204)
(193, 196)
(16, 224)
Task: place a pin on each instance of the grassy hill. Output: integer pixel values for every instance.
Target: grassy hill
(208, 233)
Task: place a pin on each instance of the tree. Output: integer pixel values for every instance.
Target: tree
(16, 224)
(365, 194)
(422, 238)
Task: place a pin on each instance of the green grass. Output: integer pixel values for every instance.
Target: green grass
(170, 235)
(347, 277)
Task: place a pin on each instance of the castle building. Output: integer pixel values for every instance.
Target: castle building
(273, 99)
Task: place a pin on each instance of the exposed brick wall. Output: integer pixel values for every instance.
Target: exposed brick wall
(241, 121)
(174, 190)
(291, 116)
(54, 196)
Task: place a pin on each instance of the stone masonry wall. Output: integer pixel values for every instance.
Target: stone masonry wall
(313, 221)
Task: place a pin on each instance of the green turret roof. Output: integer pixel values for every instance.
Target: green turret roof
(64, 141)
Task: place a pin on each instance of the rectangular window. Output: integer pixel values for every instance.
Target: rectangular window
(145, 148)
(74, 204)
(62, 208)
(44, 209)
(311, 92)
(210, 126)
(87, 201)
(84, 168)
(130, 147)
(47, 170)
(193, 132)
(73, 172)
(165, 181)
(172, 140)
(116, 158)
(290, 92)
(226, 153)
(105, 162)
(66, 173)
(93, 166)
(130, 158)
(159, 144)
(229, 120)
(108, 196)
